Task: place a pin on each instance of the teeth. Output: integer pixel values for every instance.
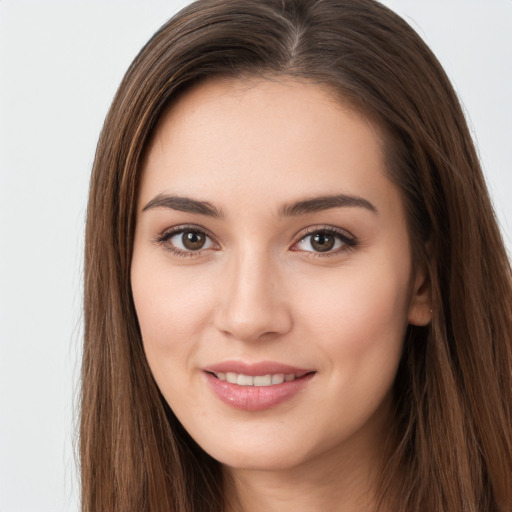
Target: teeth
(265, 380)
(231, 377)
(257, 380)
(278, 378)
(244, 380)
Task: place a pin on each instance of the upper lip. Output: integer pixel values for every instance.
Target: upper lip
(253, 369)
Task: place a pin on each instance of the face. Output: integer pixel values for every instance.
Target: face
(272, 273)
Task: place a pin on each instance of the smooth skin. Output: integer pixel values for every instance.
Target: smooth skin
(246, 277)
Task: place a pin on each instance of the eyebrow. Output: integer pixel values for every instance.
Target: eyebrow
(313, 205)
(183, 204)
(318, 204)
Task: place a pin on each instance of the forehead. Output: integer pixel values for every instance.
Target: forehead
(264, 139)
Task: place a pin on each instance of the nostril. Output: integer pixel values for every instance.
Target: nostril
(256, 326)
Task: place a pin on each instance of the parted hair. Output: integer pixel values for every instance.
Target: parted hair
(451, 445)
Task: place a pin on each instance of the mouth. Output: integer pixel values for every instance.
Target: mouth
(256, 387)
(257, 380)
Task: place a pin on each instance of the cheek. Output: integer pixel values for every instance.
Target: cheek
(171, 309)
(360, 331)
(359, 319)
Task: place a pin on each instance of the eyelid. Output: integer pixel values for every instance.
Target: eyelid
(348, 239)
(168, 233)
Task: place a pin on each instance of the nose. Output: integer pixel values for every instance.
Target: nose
(252, 304)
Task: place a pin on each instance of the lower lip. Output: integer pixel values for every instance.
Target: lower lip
(256, 398)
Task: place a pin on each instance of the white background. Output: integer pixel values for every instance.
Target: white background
(60, 64)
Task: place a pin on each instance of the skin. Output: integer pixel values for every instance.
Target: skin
(259, 291)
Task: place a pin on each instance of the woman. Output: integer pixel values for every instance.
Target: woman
(296, 294)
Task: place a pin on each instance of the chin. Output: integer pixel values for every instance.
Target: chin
(261, 460)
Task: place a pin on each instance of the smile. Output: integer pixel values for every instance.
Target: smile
(255, 380)
(257, 386)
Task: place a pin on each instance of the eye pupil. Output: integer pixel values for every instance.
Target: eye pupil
(193, 240)
(322, 242)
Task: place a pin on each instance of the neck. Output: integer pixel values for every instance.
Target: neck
(251, 491)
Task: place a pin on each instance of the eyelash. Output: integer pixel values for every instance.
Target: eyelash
(166, 236)
(347, 240)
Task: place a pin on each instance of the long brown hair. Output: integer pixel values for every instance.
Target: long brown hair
(452, 444)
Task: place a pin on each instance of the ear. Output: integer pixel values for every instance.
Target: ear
(420, 308)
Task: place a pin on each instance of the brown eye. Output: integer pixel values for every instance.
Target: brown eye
(322, 242)
(193, 240)
(186, 241)
(326, 240)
